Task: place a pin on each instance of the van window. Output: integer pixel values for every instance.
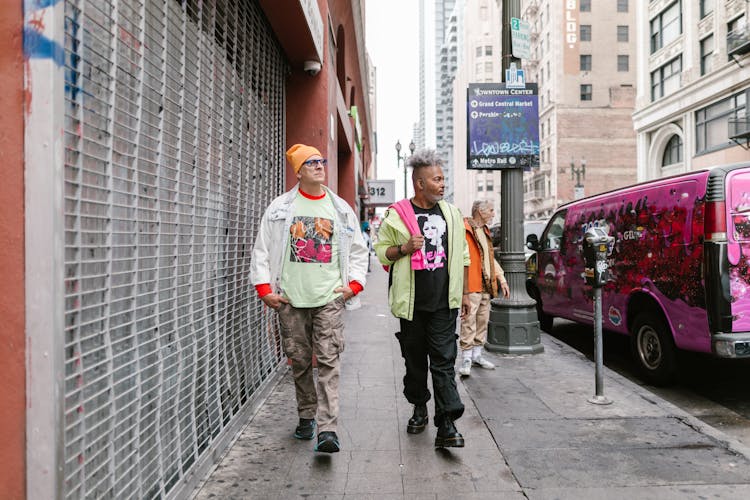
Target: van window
(552, 238)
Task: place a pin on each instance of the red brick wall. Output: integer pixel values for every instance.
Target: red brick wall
(12, 336)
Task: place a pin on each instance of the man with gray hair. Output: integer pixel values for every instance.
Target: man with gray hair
(422, 240)
(485, 279)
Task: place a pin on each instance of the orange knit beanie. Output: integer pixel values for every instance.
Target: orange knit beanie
(300, 153)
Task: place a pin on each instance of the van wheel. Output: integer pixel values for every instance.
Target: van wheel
(545, 320)
(653, 348)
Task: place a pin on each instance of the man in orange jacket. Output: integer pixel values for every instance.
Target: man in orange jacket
(486, 279)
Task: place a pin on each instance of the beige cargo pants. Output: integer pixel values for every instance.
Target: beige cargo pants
(319, 331)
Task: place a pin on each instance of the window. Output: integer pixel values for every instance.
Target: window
(585, 32)
(706, 6)
(585, 5)
(623, 34)
(480, 186)
(622, 5)
(623, 63)
(586, 92)
(479, 67)
(488, 50)
(488, 67)
(552, 236)
(479, 51)
(666, 27)
(736, 24)
(490, 185)
(673, 151)
(707, 52)
(585, 62)
(666, 79)
(711, 123)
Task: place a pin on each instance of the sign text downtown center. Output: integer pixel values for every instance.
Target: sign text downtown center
(502, 126)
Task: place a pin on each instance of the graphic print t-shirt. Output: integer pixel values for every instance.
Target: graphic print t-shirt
(311, 264)
(431, 284)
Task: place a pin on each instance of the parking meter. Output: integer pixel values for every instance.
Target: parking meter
(595, 243)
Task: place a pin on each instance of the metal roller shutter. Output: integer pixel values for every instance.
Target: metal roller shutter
(174, 140)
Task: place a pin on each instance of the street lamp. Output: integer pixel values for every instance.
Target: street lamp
(400, 158)
(579, 173)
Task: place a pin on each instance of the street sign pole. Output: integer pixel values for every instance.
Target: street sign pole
(513, 326)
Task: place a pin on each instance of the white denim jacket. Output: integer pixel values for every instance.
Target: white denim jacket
(273, 238)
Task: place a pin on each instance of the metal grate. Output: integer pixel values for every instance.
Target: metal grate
(174, 137)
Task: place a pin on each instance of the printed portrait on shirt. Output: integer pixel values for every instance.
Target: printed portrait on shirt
(433, 228)
(311, 239)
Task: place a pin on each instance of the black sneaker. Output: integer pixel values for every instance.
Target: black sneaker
(418, 420)
(448, 436)
(305, 429)
(328, 442)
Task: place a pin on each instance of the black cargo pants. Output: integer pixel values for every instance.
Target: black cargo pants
(429, 342)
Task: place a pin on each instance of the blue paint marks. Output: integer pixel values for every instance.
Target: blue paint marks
(32, 5)
(38, 46)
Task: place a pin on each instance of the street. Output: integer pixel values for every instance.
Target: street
(711, 389)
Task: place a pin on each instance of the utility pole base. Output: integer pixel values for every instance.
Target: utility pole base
(513, 329)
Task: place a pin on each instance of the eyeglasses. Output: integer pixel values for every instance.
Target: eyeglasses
(314, 163)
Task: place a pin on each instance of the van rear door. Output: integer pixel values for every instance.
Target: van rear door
(738, 246)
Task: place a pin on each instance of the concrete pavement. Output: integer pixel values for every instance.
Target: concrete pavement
(529, 430)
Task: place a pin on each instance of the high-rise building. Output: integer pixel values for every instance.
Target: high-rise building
(446, 55)
(693, 85)
(420, 135)
(583, 60)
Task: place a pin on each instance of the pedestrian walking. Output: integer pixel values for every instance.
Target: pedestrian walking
(423, 242)
(309, 263)
(486, 280)
(368, 241)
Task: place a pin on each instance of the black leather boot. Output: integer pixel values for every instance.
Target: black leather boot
(418, 420)
(448, 436)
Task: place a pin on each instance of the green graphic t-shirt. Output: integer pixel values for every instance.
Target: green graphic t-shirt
(311, 263)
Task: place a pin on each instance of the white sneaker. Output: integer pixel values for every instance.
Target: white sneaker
(484, 363)
(465, 369)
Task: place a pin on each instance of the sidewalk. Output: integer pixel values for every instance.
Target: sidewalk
(529, 430)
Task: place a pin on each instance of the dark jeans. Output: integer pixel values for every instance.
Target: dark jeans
(431, 335)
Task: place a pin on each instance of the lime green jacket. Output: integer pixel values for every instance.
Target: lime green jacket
(393, 232)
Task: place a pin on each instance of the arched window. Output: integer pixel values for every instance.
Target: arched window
(673, 151)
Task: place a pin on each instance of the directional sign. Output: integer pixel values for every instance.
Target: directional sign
(520, 38)
(502, 127)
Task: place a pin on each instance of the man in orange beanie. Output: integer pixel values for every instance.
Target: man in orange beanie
(309, 263)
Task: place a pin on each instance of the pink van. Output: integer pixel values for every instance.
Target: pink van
(679, 266)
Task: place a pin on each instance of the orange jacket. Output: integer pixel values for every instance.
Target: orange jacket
(475, 268)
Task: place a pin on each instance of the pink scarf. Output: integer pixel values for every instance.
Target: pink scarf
(404, 210)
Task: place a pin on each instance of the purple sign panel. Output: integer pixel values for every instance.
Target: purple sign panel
(503, 126)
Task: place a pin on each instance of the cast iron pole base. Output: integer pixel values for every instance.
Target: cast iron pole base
(513, 328)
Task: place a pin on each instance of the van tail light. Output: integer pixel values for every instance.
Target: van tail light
(715, 224)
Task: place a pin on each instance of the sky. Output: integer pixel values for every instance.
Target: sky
(392, 40)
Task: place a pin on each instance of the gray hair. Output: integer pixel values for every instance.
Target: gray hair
(424, 158)
(480, 205)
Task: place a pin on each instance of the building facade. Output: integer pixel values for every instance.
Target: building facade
(693, 85)
(479, 61)
(584, 62)
(146, 140)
